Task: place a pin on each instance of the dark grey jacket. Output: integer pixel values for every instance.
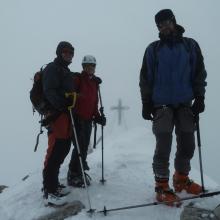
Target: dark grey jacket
(57, 80)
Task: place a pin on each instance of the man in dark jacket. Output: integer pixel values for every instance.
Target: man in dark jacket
(172, 76)
(57, 80)
(85, 111)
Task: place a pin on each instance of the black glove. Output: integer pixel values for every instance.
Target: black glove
(97, 79)
(198, 105)
(100, 120)
(68, 101)
(147, 111)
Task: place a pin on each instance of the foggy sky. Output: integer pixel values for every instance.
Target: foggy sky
(116, 32)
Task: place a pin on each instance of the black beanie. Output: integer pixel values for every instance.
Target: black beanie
(62, 45)
(163, 15)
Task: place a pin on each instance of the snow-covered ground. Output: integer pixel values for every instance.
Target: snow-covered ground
(129, 181)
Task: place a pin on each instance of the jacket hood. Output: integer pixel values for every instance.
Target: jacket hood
(176, 36)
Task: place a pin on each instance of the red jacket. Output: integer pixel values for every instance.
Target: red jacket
(87, 101)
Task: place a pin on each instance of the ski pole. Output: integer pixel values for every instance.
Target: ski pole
(105, 211)
(95, 131)
(73, 95)
(102, 127)
(200, 152)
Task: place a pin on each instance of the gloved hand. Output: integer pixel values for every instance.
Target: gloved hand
(101, 119)
(147, 111)
(68, 101)
(198, 105)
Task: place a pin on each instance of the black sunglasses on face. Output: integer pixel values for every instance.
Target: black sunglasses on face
(164, 23)
(90, 64)
(67, 51)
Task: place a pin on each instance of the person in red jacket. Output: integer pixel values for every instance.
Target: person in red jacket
(85, 111)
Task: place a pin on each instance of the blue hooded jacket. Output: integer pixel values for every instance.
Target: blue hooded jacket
(172, 71)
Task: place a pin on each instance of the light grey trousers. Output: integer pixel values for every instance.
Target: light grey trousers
(165, 120)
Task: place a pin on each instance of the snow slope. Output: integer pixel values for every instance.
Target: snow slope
(128, 171)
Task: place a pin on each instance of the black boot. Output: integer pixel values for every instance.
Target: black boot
(76, 179)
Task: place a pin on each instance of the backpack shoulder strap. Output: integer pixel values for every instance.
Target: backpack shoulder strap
(43, 67)
(155, 45)
(188, 43)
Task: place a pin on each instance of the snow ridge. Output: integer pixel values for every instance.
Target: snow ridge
(128, 171)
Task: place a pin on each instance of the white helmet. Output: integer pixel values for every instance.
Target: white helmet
(89, 59)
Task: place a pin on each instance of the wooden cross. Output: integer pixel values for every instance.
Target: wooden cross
(119, 108)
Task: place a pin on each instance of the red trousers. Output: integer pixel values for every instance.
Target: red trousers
(59, 142)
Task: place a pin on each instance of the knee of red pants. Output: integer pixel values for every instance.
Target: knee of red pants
(56, 151)
(51, 143)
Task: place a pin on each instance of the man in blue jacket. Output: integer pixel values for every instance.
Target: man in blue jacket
(172, 85)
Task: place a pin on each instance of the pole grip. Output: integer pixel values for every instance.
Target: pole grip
(74, 96)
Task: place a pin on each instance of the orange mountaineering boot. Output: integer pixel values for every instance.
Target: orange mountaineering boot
(165, 194)
(182, 182)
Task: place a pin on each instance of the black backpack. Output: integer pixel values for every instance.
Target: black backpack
(39, 102)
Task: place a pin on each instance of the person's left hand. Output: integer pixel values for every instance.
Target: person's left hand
(198, 105)
(101, 119)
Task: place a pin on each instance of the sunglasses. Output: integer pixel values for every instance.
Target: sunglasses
(165, 23)
(67, 51)
(90, 64)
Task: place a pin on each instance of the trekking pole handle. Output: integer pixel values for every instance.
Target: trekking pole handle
(196, 118)
(101, 109)
(101, 106)
(74, 96)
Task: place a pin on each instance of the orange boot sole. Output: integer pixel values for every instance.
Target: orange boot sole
(188, 185)
(168, 197)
